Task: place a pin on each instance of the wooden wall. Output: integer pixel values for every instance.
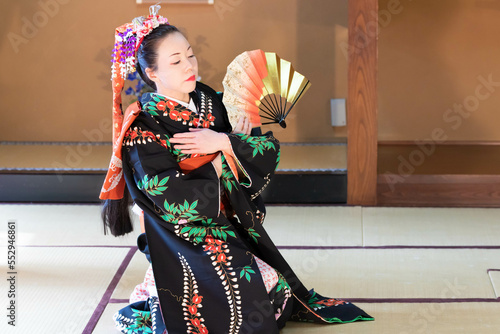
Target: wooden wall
(434, 60)
(55, 54)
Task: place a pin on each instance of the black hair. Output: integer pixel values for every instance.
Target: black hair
(147, 54)
(115, 214)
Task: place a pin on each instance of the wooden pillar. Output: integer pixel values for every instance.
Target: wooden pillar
(362, 102)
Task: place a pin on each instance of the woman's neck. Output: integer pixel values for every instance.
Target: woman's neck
(184, 97)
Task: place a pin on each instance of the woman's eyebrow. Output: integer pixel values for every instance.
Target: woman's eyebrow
(178, 53)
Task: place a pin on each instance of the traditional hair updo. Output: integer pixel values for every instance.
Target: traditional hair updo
(147, 54)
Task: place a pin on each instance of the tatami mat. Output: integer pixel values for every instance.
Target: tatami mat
(431, 226)
(376, 273)
(133, 275)
(318, 225)
(495, 280)
(58, 289)
(67, 265)
(452, 318)
(391, 318)
(53, 224)
(396, 273)
(326, 225)
(106, 324)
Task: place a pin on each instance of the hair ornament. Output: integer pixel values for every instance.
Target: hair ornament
(128, 38)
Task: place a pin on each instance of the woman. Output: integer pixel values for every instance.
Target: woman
(198, 183)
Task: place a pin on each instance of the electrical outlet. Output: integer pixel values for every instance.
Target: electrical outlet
(337, 108)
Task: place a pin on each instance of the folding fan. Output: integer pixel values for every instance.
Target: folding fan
(259, 85)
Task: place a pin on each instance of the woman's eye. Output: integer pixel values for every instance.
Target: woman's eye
(177, 62)
(192, 56)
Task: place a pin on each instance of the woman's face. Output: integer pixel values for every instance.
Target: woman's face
(177, 68)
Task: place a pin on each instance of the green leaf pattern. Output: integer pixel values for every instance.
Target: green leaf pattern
(252, 233)
(258, 143)
(176, 212)
(198, 233)
(152, 186)
(283, 285)
(227, 177)
(142, 322)
(246, 271)
(150, 107)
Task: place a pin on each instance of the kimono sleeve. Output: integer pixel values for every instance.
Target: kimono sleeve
(257, 158)
(179, 196)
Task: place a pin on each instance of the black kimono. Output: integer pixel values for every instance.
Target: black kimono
(205, 257)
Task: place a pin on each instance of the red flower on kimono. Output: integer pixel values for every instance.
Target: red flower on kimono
(210, 117)
(191, 301)
(146, 134)
(132, 134)
(161, 105)
(163, 143)
(218, 251)
(209, 248)
(192, 309)
(174, 114)
(221, 257)
(210, 240)
(196, 122)
(197, 299)
(206, 124)
(214, 246)
(185, 115)
(170, 104)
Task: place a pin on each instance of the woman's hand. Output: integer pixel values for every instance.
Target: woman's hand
(244, 126)
(200, 141)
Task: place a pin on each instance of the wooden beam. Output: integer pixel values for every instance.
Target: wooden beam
(362, 103)
(440, 191)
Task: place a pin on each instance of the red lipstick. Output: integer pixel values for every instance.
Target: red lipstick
(192, 78)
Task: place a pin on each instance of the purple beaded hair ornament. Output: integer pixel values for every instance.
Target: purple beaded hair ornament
(128, 37)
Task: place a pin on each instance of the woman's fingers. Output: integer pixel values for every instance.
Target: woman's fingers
(185, 135)
(241, 121)
(244, 126)
(248, 127)
(193, 151)
(182, 140)
(189, 146)
(202, 141)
